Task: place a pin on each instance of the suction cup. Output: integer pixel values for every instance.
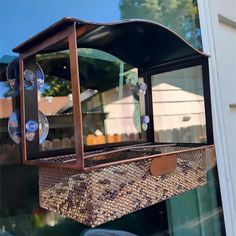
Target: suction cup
(40, 77)
(32, 126)
(14, 129)
(12, 74)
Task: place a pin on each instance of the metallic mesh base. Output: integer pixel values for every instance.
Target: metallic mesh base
(106, 194)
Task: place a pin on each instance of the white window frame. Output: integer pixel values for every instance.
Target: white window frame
(209, 21)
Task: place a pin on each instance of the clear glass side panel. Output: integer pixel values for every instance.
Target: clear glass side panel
(111, 98)
(178, 106)
(48, 105)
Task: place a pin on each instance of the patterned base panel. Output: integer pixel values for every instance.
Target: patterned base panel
(106, 194)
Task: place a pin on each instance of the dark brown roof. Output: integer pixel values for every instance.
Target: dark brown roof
(139, 43)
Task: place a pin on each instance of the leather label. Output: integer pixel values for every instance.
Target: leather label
(165, 164)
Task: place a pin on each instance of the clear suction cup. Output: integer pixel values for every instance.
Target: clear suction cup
(40, 78)
(29, 79)
(43, 127)
(144, 121)
(14, 129)
(12, 74)
(142, 88)
(32, 126)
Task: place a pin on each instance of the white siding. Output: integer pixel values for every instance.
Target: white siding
(218, 26)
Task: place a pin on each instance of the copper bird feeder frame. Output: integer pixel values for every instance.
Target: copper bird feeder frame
(112, 170)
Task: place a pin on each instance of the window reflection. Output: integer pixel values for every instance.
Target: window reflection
(8, 149)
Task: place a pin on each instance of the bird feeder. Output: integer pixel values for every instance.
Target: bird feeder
(116, 116)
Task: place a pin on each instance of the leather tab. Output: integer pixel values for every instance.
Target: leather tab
(163, 165)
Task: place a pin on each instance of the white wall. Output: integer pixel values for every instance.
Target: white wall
(218, 24)
(226, 8)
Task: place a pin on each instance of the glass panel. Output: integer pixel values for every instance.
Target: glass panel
(49, 105)
(55, 100)
(111, 97)
(178, 106)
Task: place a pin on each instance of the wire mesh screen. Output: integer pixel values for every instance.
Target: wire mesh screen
(100, 157)
(108, 193)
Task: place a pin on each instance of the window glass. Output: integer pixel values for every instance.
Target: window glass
(9, 150)
(178, 106)
(21, 215)
(181, 16)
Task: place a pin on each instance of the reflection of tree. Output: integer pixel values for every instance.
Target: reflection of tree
(98, 71)
(56, 86)
(57, 73)
(6, 90)
(179, 15)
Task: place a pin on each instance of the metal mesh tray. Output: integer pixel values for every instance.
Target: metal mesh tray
(110, 192)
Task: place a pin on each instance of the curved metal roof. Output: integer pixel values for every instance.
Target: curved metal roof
(139, 43)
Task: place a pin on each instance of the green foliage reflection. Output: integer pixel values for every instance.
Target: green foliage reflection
(179, 15)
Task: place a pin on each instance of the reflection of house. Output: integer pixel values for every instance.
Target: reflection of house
(178, 106)
(5, 107)
(48, 105)
(120, 111)
(52, 105)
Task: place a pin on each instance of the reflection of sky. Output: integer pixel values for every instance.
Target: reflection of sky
(3, 88)
(20, 19)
